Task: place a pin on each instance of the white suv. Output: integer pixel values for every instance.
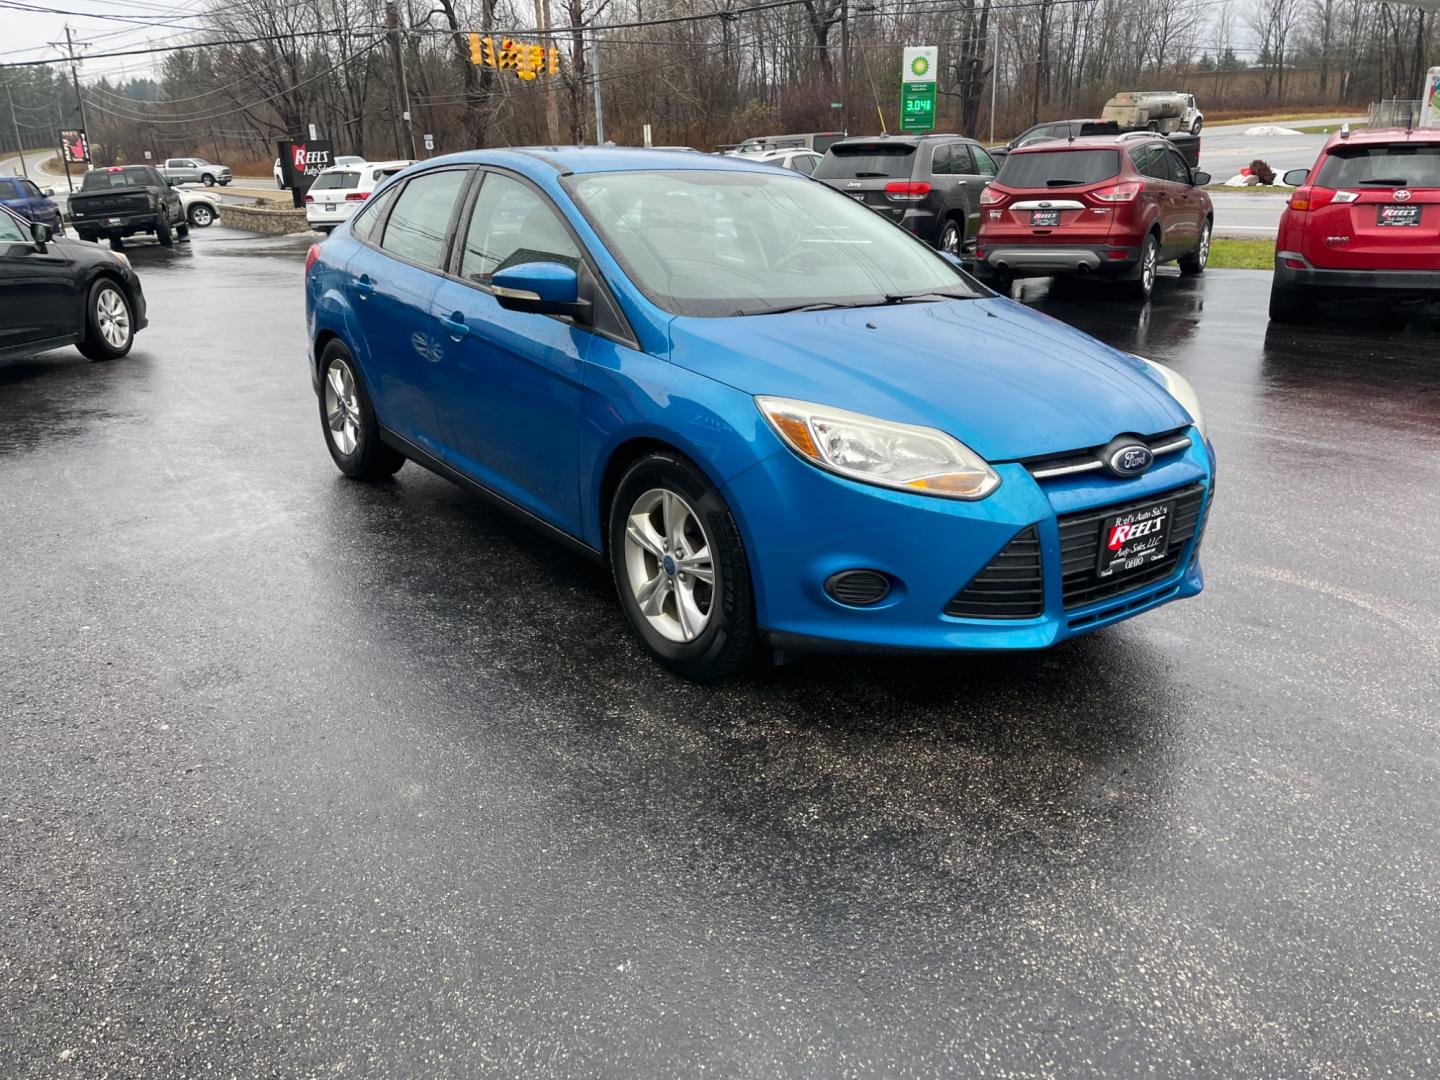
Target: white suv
(342, 189)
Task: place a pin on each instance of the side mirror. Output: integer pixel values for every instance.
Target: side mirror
(1199, 179)
(1295, 177)
(48, 192)
(41, 233)
(540, 288)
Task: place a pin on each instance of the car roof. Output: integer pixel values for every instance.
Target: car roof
(1378, 136)
(901, 140)
(599, 159)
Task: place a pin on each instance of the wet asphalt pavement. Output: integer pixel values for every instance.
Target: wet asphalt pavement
(305, 778)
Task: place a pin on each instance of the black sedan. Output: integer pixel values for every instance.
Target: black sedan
(57, 292)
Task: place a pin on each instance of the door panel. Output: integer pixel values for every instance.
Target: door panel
(38, 300)
(510, 382)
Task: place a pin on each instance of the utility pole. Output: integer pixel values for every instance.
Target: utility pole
(15, 127)
(994, 81)
(845, 66)
(595, 74)
(552, 101)
(79, 98)
(402, 90)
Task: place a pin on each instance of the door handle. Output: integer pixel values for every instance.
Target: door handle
(364, 288)
(454, 325)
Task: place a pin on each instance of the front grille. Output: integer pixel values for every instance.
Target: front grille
(1012, 585)
(1080, 548)
(1091, 459)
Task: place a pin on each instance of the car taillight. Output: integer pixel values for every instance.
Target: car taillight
(1311, 198)
(991, 197)
(311, 256)
(906, 190)
(1126, 192)
(357, 196)
(309, 199)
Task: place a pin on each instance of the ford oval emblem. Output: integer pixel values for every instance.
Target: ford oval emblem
(1129, 459)
(1403, 195)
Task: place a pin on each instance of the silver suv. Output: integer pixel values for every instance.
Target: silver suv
(191, 170)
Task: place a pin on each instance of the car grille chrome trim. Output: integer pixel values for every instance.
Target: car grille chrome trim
(1047, 468)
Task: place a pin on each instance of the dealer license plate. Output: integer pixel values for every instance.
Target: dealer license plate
(114, 221)
(1044, 217)
(329, 207)
(1397, 215)
(1135, 538)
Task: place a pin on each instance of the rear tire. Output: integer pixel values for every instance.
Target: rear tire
(952, 237)
(109, 322)
(352, 434)
(1143, 283)
(1286, 305)
(1197, 260)
(697, 629)
(208, 180)
(182, 231)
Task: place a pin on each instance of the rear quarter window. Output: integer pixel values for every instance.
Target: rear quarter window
(1058, 168)
(866, 160)
(1409, 165)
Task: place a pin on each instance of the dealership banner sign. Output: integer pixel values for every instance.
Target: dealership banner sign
(74, 147)
(1430, 99)
(917, 87)
(302, 161)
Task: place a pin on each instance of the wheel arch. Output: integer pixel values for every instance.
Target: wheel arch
(621, 457)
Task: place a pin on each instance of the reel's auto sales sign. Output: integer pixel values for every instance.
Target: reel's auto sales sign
(301, 162)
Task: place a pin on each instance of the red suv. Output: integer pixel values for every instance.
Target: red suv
(1364, 219)
(1109, 206)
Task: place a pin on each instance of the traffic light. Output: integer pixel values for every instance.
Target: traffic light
(482, 51)
(475, 48)
(554, 68)
(509, 59)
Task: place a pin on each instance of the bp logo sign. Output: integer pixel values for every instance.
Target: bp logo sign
(917, 88)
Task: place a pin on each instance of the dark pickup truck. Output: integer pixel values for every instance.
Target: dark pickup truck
(1187, 144)
(123, 200)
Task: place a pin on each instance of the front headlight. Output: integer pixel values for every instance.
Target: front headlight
(1181, 390)
(893, 455)
(120, 257)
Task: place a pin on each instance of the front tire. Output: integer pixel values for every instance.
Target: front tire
(680, 568)
(109, 322)
(952, 237)
(1197, 260)
(164, 235)
(201, 216)
(208, 180)
(347, 418)
(1196, 126)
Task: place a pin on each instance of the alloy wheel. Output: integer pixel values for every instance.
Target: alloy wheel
(342, 407)
(112, 316)
(1202, 257)
(201, 216)
(669, 566)
(950, 239)
(1147, 268)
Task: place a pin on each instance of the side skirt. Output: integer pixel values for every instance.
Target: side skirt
(427, 460)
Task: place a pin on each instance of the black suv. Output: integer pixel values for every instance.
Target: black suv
(929, 185)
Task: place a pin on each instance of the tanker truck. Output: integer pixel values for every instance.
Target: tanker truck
(1154, 110)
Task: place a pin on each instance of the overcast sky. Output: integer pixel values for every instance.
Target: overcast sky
(26, 35)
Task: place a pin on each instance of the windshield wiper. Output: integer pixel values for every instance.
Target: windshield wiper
(817, 305)
(1384, 181)
(929, 296)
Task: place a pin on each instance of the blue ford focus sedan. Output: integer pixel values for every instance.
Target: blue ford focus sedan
(783, 422)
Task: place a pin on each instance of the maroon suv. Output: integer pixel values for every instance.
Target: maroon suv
(1109, 206)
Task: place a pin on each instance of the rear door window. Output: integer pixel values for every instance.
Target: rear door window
(867, 160)
(1410, 166)
(1150, 161)
(1058, 168)
(804, 163)
(417, 226)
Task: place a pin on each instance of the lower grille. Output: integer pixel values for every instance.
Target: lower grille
(1080, 548)
(1012, 585)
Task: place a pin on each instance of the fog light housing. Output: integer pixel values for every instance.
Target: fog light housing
(857, 588)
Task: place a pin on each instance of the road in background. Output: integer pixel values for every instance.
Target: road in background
(1225, 148)
(308, 777)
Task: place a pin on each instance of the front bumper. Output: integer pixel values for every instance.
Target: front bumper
(802, 526)
(1048, 260)
(1397, 283)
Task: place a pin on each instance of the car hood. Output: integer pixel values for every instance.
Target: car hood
(1007, 381)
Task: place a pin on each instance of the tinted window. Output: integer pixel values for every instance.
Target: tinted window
(127, 176)
(984, 163)
(10, 231)
(27, 188)
(416, 229)
(1381, 166)
(336, 180)
(860, 160)
(720, 242)
(942, 161)
(9, 190)
(804, 163)
(363, 223)
(1179, 171)
(1151, 161)
(513, 224)
(1058, 168)
(963, 163)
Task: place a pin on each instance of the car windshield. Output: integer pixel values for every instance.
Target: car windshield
(858, 161)
(1058, 168)
(719, 242)
(335, 180)
(1404, 165)
(126, 176)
